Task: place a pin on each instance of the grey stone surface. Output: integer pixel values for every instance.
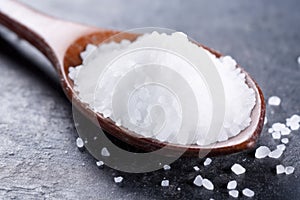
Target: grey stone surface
(38, 155)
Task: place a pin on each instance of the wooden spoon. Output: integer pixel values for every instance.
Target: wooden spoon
(62, 41)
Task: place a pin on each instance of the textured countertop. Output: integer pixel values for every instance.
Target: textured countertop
(38, 155)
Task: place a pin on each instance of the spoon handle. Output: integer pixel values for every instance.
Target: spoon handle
(49, 35)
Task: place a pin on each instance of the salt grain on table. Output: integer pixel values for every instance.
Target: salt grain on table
(274, 101)
(285, 131)
(105, 152)
(276, 135)
(196, 168)
(79, 143)
(207, 161)
(198, 181)
(289, 170)
(281, 147)
(276, 153)
(285, 140)
(234, 193)
(118, 179)
(231, 185)
(207, 184)
(167, 167)
(280, 169)
(248, 193)
(165, 183)
(262, 152)
(278, 126)
(238, 169)
(100, 163)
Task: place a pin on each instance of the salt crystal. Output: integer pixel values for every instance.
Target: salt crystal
(100, 164)
(165, 183)
(276, 153)
(285, 131)
(231, 185)
(178, 188)
(274, 101)
(167, 167)
(196, 168)
(278, 126)
(207, 184)
(285, 140)
(295, 118)
(248, 193)
(234, 193)
(238, 169)
(207, 161)
(262, 152)
(281, 147)
(118, 179)
(198, 181)
(266, 120)
(294, 126)
(270, 130)
(289, 170)
(79, 143)
(276, 135)
(280, 169)
(105, 152)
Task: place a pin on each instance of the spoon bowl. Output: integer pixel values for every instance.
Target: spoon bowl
(62, 42)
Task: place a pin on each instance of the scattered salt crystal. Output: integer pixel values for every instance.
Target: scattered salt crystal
(207, 184)
(262, 152)
(285, 140)
(198, 181)
(289, 170)
(266, 120)
(167, 167)
(231, 185)
(207, 161)
(281, 147)
(248, 193)
(270, 130)
(285, 131)
(100, 163)
(118, 179)
(178, 188)
(276, 135)
(295, 118)
(280, 169)
(294, 126)
(79, 143)
(105, 152)
(234, 193)
(196, 168)
(165, 183)
(238, 169)
(278, 126)
(276, 153)
(274, 101)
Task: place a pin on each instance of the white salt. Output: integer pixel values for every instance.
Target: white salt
(282, 147)
(289, 170)
(167, 167)
(79, 143)
(105, 152)
(238, 169)
(280, 169)
(198, 181)
(207, 161)
(248, 193)
(274, 101)
(262, 152)
(165, 183)
(285, 140)
(266, 120)
(118, 179)
(276, 135)
(278, 126)
(276, 153)
(234, 193)
(100, 163)
(285, 131)
(270, 130)
(207, 184)
(231, 185)
(196, 168)
(97, 93)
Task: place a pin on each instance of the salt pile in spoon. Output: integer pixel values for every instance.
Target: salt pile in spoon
(239, 98)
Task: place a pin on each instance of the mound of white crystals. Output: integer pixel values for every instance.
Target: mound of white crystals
(154, 111)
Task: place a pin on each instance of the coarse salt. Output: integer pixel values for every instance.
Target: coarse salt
(289, 170)
(207, 161)
(118, 179)
(276, 135)
(280, 169)
(231, 185)
(248, 193)
(198, 181)
(262, 152)
(100, 163)
(167, 167)
(105, 152)
(238, 169)
(196, 168)
(234, 193)
(276, 153)
(281, 147)
(285, 140)
(207, 184)
(79, 143)
(165, 183)
(274, 101)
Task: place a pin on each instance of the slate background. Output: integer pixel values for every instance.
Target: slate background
(38, 156)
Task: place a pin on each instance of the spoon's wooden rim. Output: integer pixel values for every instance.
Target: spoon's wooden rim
(244, 140)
